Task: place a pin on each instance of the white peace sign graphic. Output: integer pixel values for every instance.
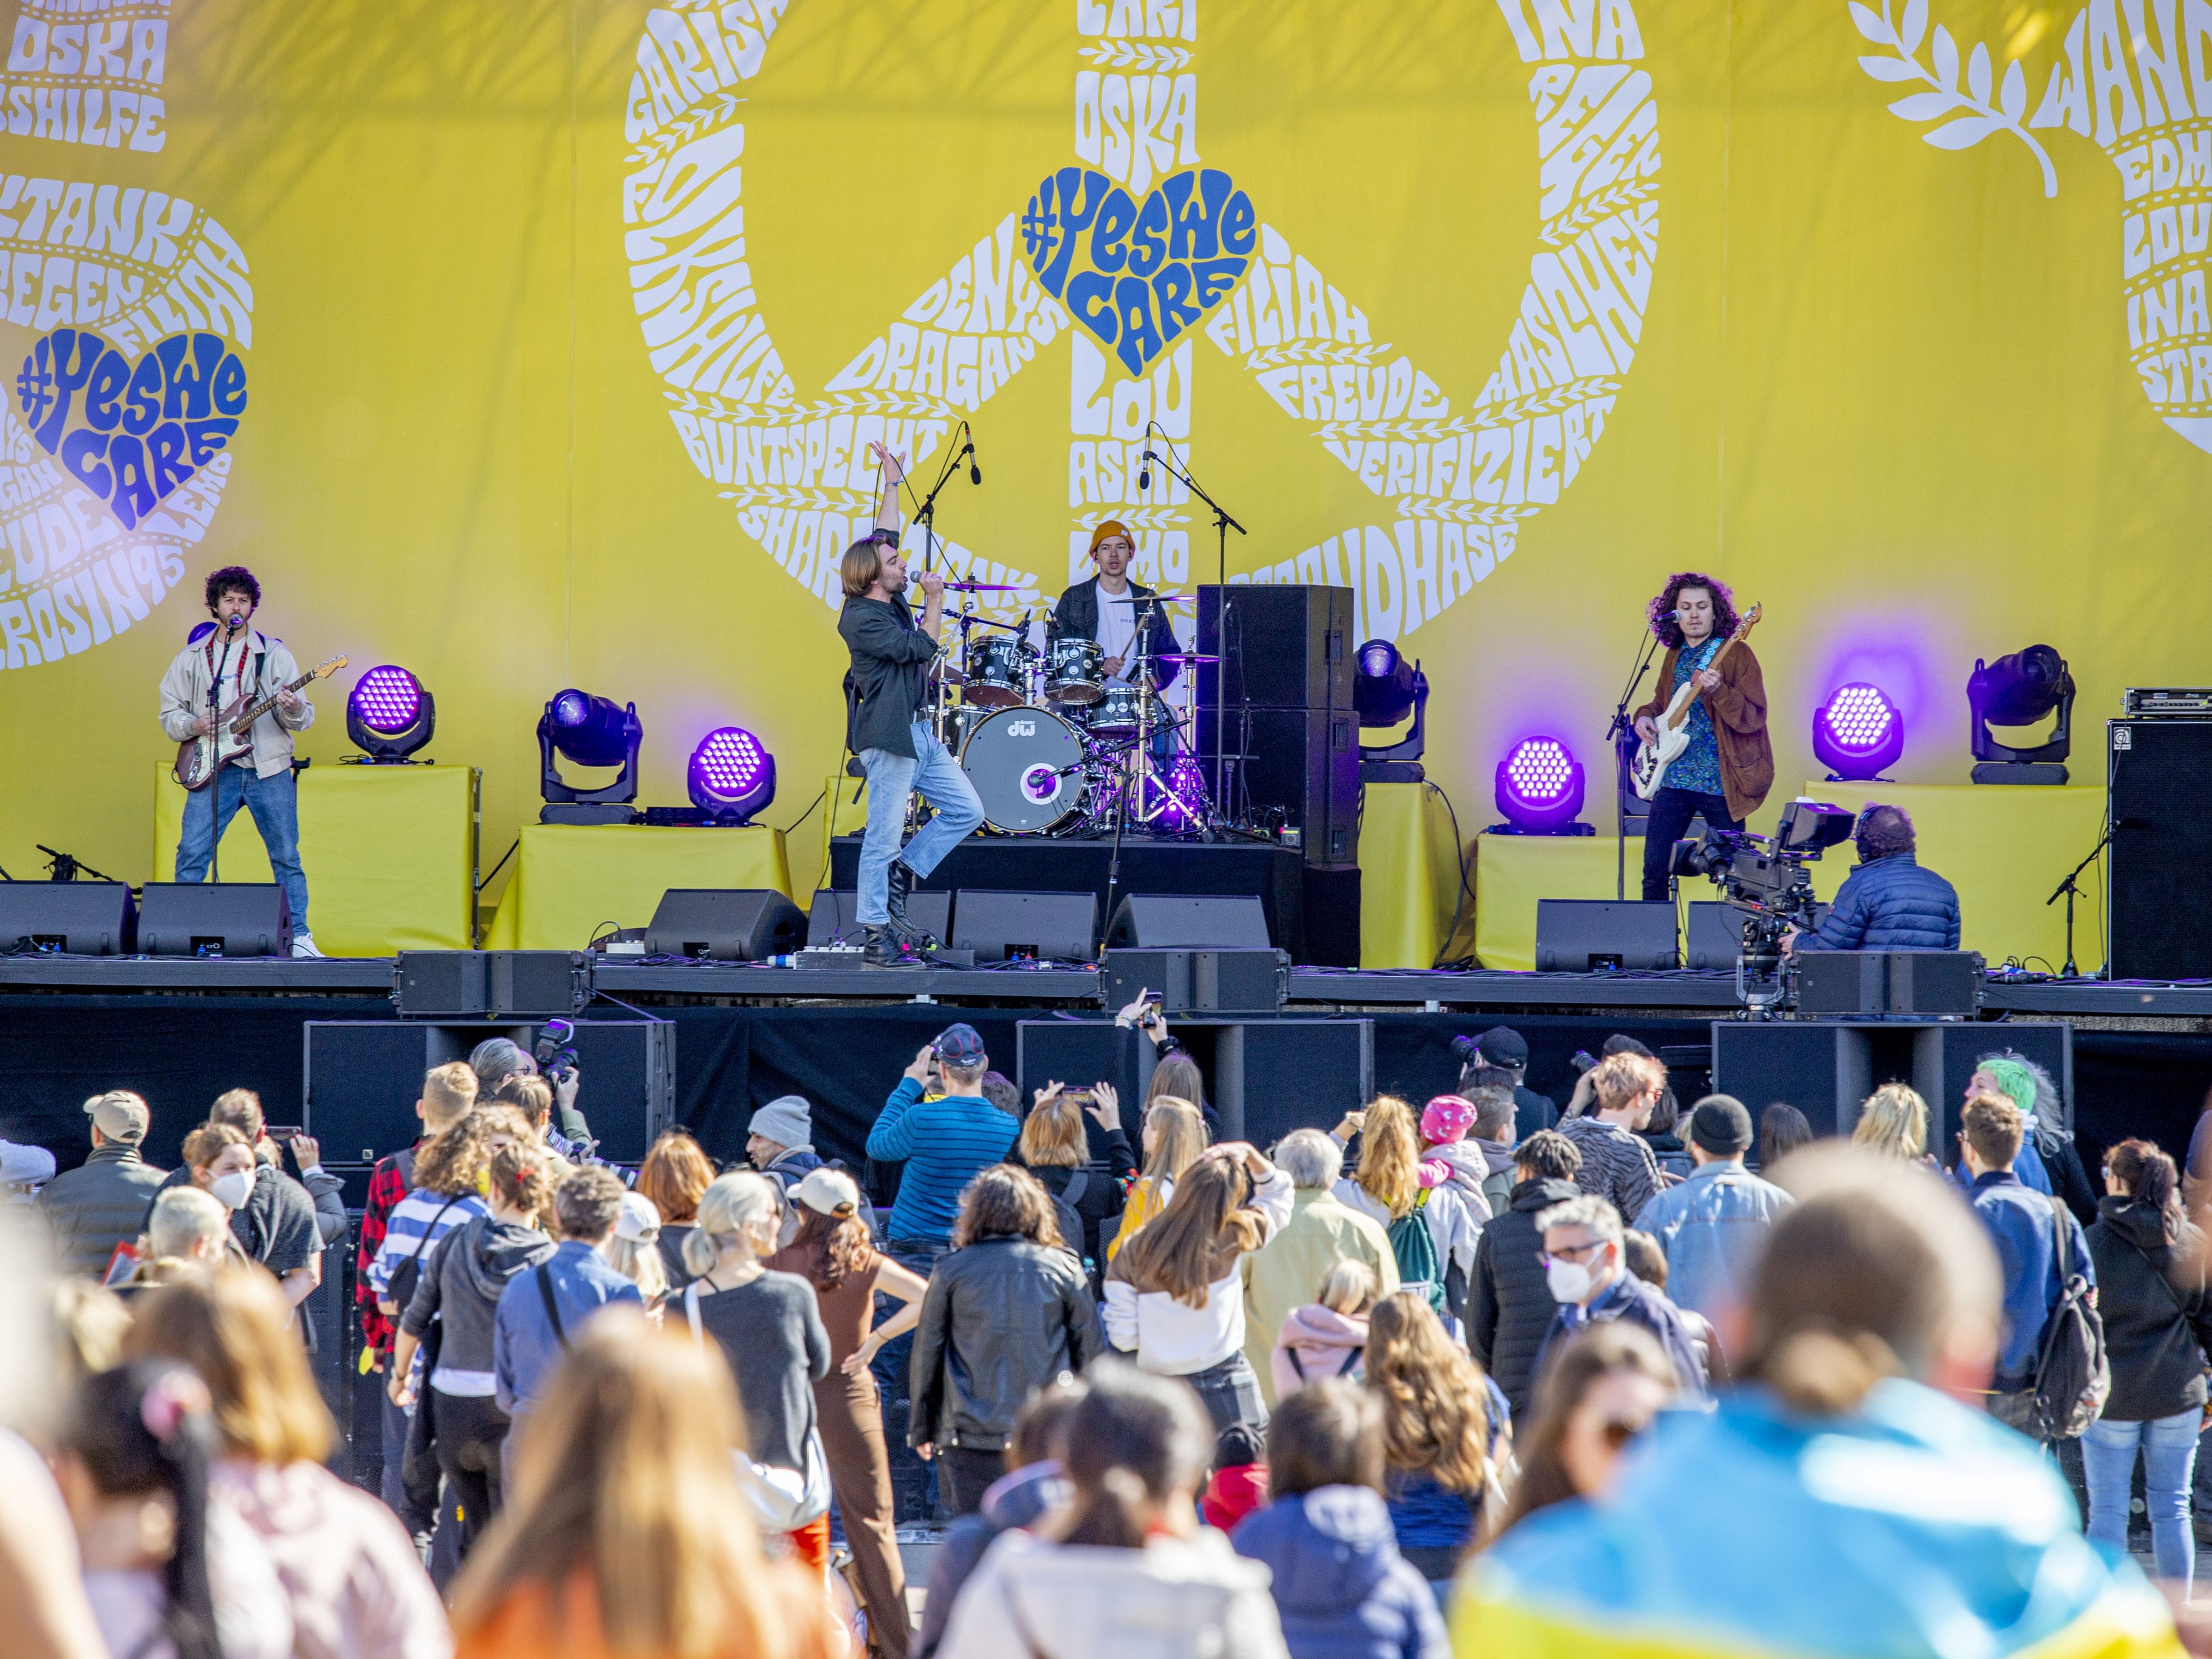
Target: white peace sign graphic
(797, 472)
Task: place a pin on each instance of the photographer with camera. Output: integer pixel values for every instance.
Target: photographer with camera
(944, 1143)
(1889, 903)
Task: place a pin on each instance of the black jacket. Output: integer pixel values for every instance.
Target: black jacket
(1509, 1305)
(2070, 1177)
(1076, 617)
(1532, 1112)
(1102, 1199)
(2158, 1318)
(97, 1205)
(461, 1283)
(889, 673)
(1000, 1320)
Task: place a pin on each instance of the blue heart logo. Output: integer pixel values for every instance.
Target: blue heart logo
(1138, 274)
(131, 433)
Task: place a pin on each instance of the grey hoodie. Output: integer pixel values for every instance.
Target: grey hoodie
(460, 1287)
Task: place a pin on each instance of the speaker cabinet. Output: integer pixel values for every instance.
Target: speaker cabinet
(2161, 794)
(835, 916)
(539, 984)
(1888, 981)
(1199, 982)
(1714, 935)
(1282, 648)
(213, 918)
(1189, 921)
(723, 924)
(1041, 927)
(442, 984)
(1580, 936)
(1302, 763)
(75, 918)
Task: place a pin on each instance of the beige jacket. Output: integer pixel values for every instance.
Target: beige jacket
(185, 696)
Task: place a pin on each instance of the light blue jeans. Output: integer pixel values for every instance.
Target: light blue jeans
(276, 808)
(891, 778)
(2168, 1446)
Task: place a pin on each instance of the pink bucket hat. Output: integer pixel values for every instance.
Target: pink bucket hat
(1447, 1118)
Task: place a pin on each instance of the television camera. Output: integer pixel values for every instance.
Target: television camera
(1766, 877)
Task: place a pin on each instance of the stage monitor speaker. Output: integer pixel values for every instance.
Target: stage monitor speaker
(538, 984)
(442, 984)
(2160, 807)
(1190, 921)
(1039, 927)
(1302, 763)
(723, 924)
(213, 918)
(836, 916)
(1888, 981)
(1579, 936)
(74, 918)
(1714, 938)
(1288, 647)
(1233, 982)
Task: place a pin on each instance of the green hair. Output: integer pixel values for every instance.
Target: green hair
(2015, 1080)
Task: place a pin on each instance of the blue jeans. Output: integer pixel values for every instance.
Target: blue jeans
(2168, 1446)
(891, 778)
(276, 808)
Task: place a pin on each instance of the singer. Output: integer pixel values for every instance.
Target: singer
(1104, 608)
(232, 665)
(1725, 772)
(888, 729)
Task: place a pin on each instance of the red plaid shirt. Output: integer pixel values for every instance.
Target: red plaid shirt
(387, 1185)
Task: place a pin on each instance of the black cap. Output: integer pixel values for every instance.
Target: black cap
(1720, 1125)
(1501, 1045)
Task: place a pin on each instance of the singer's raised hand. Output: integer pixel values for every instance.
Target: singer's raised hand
(893, 466)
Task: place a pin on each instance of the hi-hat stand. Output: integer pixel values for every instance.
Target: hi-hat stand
(1223, 524)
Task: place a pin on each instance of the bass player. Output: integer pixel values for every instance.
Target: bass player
(1725, 772)
(246, 666)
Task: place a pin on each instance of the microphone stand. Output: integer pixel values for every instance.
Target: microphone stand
(2071, 889)
(926, 516)
(1612, 734)
(1223, 524)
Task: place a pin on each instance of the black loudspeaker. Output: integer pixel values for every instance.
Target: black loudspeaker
(723, 924)
(79, 918)
(1079, 1053)
(836, 916)
(442, 984)
(1579, 936)
(1888, 981)
(1273, 1076)
(1287, 647)
(538, 984)
(213, 918)
(1302, 763)
(1047, 926)
(1714, 937)
(2160, 802)
(1199, 982)
(1189, 921)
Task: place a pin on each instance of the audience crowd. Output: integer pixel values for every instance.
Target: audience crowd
(1481, 1376)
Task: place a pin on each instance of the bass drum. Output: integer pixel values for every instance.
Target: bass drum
(1014, 758)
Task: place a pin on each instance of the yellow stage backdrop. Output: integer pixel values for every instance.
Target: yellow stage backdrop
(536, 344)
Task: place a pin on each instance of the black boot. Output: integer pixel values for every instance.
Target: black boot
(901, 884)
(879, 947)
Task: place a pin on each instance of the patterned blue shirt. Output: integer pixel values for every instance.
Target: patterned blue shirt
(1698, 767)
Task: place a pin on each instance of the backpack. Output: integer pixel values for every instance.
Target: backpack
(405, 1273)
(2072, 1374)
(1072, 1232)
(1415, 1248)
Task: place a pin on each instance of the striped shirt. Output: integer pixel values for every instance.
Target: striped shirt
(418, 1222)
(944, 1143)
(1616, 1165)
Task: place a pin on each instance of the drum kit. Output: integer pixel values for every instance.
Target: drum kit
(1052, 745)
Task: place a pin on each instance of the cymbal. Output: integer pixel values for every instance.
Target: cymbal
(1169, 598)
(1186, 657)
(979, 587)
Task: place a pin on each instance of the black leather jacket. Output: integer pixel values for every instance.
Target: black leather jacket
(1076, 617)
(1000, 1320)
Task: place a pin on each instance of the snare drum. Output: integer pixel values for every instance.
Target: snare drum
(961, 721)
(1075, 671)
(994, 671)
(1025, 765)
(1114, 714)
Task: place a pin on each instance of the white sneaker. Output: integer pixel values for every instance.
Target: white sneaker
(303, 944)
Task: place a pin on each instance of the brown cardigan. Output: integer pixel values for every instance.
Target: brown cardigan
(1738, 707)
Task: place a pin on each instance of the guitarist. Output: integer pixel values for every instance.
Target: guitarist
(1725, 772)
(246, 666)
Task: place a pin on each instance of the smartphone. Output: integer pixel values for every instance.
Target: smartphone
(283, 1133)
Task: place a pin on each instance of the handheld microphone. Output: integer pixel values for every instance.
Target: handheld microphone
(1144, 472)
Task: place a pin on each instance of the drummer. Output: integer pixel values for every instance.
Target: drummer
(1104, 608)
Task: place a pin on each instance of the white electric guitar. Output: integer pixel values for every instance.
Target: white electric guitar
(1650, 767)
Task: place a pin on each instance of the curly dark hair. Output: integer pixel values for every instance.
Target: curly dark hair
(1670, 631)
(232, 578)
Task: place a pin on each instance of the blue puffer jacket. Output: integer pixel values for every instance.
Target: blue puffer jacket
(1891, 904)
(1341, 1588)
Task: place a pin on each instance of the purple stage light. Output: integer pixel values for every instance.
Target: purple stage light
(1857, 732)
(731, 773)
(1183, 799)
(389, 714)
(1539, 785)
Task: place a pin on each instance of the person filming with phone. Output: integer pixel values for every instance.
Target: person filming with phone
(943, 1142)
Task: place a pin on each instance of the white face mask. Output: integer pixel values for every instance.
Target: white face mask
(232, 1190)
(1569, 1281)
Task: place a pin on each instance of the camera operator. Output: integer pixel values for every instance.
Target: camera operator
(1889, 903)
